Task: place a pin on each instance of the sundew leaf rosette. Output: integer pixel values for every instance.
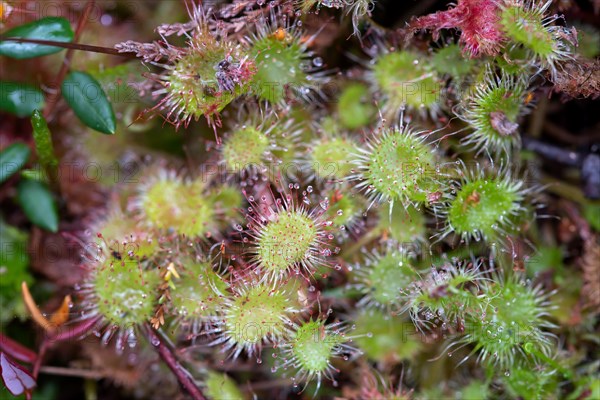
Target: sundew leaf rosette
(526, 24)
(197, 80)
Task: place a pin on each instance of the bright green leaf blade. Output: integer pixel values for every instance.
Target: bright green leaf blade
(20, 99)
(12, 159)
(38, 204)
(51, 28)
(591, 212)
(86, 97)
(43, 142)
(14, 258)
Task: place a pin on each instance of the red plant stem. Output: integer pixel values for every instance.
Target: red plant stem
(40, 357)
(55, 94)
(48, 341)
(166, 354)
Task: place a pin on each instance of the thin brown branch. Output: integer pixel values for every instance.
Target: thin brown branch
(55, 93)
(73, 46)
(81, 373)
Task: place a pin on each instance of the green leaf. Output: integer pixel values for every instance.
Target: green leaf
(591, 212)
(12, 159)
(86, 97)
(20, 99)
(13, 260)
(51, 28)
(43, 143)
(38, 204)
(35, 174)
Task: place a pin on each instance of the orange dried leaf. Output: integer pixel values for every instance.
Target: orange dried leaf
(62, 314)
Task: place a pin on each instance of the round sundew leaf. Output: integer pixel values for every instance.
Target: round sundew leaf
(20, 99)
(193, 86)
(279, 65)
(405, 225)
(244, 149)
(353, 108)
(12, 159)
(219, 386)
(179, 206)
(122, 232)
(344, 210)
(331, 158)
(56, 29)
(256, 315)
(38, 204)
(197, 292)
(514, 321)
(524, 381)
(526, 27)
(313, 346)
(481, 206)
(503, 102)
(383, 337)
(286, 241)
(450, 60)
(402, 77)
(86, 97)
(388, 277)
(125, 292)
(401, 167)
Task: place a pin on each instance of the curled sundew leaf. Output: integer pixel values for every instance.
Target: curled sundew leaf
(57, 319)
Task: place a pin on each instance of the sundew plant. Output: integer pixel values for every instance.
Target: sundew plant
(288, 199)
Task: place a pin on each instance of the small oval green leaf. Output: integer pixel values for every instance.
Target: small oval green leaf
(20, 99)
(38, 204)
(86, 97)
(12, 159)
(51, 28)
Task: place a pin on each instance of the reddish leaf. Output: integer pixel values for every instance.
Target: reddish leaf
(478, 20)
(16, 350)
(70, 332)
(15, 378)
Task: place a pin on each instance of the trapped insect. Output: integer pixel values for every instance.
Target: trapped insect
(228, 74)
